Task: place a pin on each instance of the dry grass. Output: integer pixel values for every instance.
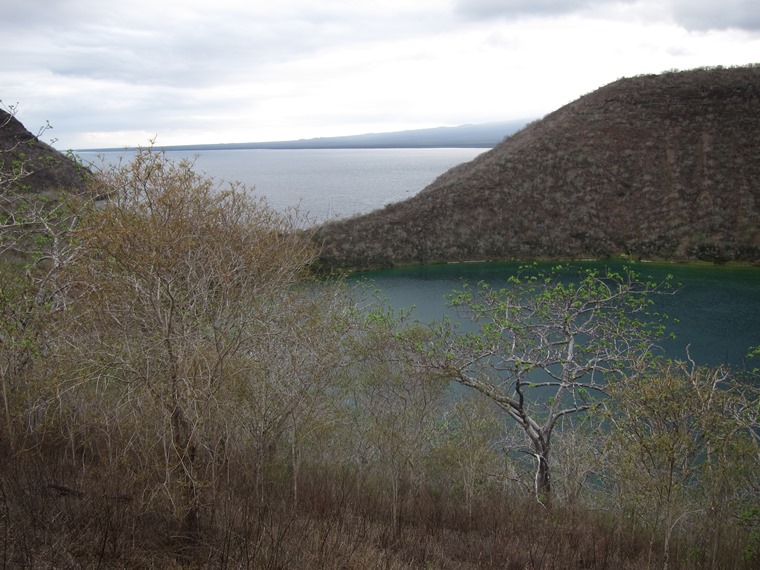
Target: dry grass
(58, 514)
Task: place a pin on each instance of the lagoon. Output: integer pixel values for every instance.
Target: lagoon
(715, 311)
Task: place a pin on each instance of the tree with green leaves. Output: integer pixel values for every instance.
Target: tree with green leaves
(469, 453)
(545, 346)
(392, 409)
(682, 452)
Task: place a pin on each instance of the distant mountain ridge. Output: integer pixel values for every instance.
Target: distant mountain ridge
(658, 166)
(484, 135)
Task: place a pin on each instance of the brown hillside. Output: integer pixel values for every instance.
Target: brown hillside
(658, 166)
(34, 166)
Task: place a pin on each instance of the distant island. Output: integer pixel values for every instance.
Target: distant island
(484, 135)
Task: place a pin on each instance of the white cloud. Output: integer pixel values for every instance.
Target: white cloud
(191, 71)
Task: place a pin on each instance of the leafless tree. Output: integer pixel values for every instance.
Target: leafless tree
(184, 293)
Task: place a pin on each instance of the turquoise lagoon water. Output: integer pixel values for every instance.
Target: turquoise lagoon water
(717, 308)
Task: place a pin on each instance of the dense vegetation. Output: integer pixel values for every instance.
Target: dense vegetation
(657, 166)
(176, 390)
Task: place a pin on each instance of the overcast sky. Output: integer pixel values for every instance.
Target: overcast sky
(115, 74)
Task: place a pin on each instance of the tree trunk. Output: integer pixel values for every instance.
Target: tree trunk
(185, 450)
(396, 506)
(7, 410)
(543, 487)
(295, 458)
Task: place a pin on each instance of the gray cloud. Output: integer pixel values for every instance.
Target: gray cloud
(484, 9)
(695, 15)
(150, 65)
(716, 15)
(169, 43)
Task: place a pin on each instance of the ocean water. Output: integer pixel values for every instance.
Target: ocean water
(324, 183)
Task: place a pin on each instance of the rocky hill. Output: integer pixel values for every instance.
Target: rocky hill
(29, 165)
(658, 166)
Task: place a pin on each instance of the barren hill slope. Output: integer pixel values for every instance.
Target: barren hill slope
(658, 166)
(33, 165)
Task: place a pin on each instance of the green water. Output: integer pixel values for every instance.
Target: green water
(718, 307)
